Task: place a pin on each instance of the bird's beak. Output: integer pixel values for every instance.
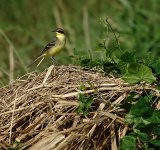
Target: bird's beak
(54, 31)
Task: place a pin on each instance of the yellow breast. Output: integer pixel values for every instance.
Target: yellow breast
(55, 50)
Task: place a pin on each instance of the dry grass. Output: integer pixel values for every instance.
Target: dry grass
(39, 110)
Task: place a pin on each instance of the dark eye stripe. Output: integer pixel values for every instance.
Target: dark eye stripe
(60, 31)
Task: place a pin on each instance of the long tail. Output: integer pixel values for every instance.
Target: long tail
(36, 60)
(40, 61)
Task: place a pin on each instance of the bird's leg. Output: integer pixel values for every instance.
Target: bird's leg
(53, 60)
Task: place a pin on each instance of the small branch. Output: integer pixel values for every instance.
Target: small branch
(113, 33)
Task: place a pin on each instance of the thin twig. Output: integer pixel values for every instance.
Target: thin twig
(113, 33)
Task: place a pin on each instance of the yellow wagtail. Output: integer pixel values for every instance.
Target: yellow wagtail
(54, 47)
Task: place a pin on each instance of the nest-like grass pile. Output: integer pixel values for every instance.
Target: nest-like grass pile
(39, 110)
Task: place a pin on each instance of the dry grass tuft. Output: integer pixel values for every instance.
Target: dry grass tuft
(39, 110)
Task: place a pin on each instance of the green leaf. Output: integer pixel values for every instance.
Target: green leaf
(89, 63)
(156, 129)
(89, 102)
(137, 73)
(128, 143)
(123, 66)
(81, 97)
(91, 84)
(142, 107)
(143, 136)
(110, 67)
(127, 106)
(80, 108)
(82, 87)
(84, 104)
(140, 112)
(128, 57)
(155, 142)
(155, 118)
(137, 121)
(156, 66)
(129, 118)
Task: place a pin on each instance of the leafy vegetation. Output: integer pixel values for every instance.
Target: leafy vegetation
(131, 66)
(85, 101)
(84, 104)
(16, 146)
(146, 125)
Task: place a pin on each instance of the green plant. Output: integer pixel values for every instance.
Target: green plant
(130, 65)
(16, 146)
(85, 103)
(144, 123)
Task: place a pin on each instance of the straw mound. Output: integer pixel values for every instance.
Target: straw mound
(40, 111)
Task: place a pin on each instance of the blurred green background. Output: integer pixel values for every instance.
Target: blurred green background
(26, 25)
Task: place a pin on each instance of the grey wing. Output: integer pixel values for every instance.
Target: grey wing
(48, 46)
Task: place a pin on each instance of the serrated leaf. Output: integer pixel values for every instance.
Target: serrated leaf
(137, 73)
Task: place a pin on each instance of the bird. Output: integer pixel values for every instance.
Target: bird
(52, 48)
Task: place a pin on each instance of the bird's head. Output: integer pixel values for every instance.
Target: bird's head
(60, 34)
